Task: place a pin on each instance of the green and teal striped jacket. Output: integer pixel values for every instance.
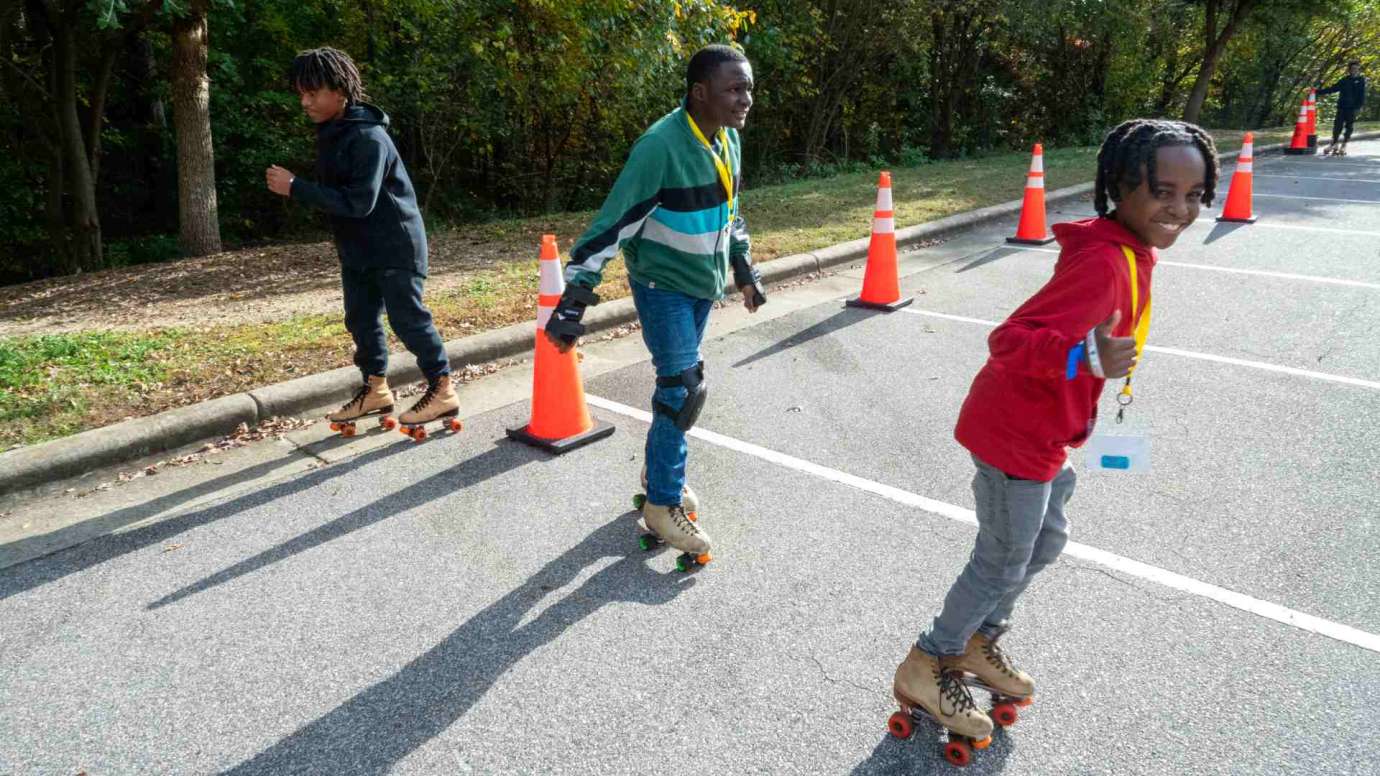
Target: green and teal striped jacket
(669, 213)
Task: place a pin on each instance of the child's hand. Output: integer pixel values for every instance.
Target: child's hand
(279, 180)
(1117, 354)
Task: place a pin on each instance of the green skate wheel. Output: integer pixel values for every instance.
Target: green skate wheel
(639, 500)
(685, 563)
(647, 542)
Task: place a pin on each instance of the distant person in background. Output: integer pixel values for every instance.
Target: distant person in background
(1351, 96)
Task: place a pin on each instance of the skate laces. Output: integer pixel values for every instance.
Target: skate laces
(998, 658)
(954, 691)
(362, 392)
(430, 394)
(682, 520)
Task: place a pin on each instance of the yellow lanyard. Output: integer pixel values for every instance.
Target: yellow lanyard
(724, 165)
(1142, 324)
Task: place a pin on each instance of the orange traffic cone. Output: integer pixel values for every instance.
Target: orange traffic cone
(1298, 146)
(1032, 230)
(1238, 207)
(881, 286)
(560, 419)
(1312, 118)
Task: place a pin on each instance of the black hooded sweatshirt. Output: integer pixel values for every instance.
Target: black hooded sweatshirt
(363, 186)
(1351, 92)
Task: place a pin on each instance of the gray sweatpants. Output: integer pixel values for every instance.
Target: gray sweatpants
(1021, 529)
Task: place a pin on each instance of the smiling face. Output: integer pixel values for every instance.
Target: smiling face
(1160, 214)
(323, 104)
(726, 97)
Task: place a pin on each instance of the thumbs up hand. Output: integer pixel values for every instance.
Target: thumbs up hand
(1117, 354)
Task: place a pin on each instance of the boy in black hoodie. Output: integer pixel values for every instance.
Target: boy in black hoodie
(1351, 96)
(363, 186)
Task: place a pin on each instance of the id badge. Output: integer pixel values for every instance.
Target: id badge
(1125, 452)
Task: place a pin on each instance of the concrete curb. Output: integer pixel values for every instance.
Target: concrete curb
(70, 456)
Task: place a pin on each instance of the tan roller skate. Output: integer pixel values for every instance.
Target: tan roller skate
(372, 398)
(1331, 150)
(688, 499)
(992, 670)
(438, 403)
(671, 525)
(929, 687)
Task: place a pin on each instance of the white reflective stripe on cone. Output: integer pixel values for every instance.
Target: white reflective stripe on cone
(884, 198)
(883, 225)
(551, 280)
(1246, 166)
(1035, 182)
(543, 315)
(1037, 164)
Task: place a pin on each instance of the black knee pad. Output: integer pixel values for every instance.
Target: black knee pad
(692, 380)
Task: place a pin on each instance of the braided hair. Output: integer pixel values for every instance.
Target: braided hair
(1132, 146)
(332, 68)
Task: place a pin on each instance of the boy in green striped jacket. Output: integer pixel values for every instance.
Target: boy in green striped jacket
(674, 213)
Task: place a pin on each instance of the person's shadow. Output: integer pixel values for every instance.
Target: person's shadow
(373, 731)
(923, 753)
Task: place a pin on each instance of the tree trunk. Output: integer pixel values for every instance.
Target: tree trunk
(1214, 45)
(85, 221)
(199, 225)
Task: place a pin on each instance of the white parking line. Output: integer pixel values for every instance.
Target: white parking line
(1233, 270)
(1271, 225)
(1321, 199)
(1288, 370)
(1307, 622)
(1318, 178)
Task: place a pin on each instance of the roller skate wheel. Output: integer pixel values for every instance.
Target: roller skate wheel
(1005, 714)
(348, 431)
(639, 500)
(900, 726)
(454, 425)
(1024, 702)
(684, 563)
(418, 434)
(335, 426)
(694, 516)
(982, 743)
(647, 542)
(388, 424)
(958, 753)
(703, 558)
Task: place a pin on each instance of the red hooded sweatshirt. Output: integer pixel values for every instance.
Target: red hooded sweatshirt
(1022, 411)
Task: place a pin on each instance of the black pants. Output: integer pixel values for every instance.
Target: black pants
(368, 293)
(1345, 118)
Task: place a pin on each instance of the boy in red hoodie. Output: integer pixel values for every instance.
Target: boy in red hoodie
(1037, 395)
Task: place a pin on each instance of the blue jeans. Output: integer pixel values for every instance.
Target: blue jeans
(1021, 529)
(673, 327)
(368, 292)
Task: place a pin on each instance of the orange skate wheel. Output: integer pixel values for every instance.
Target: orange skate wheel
(404, 430)
(1023, 702)
(1005, 714)
(347, 431)
(958, 753)
(419, 434)
(693, 516)
(388, 424)
(982, 743)
(335, 426)
(900, 726)
(703, 558)
(455, 425)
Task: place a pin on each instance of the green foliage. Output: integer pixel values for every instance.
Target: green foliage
(53, 377)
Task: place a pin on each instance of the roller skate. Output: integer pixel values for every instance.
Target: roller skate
(372, 398)
(1331, 150)
(1340, 151)
(438, 403)
(688, 499)
(932, 688)
(671, 525)
(987, 668)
